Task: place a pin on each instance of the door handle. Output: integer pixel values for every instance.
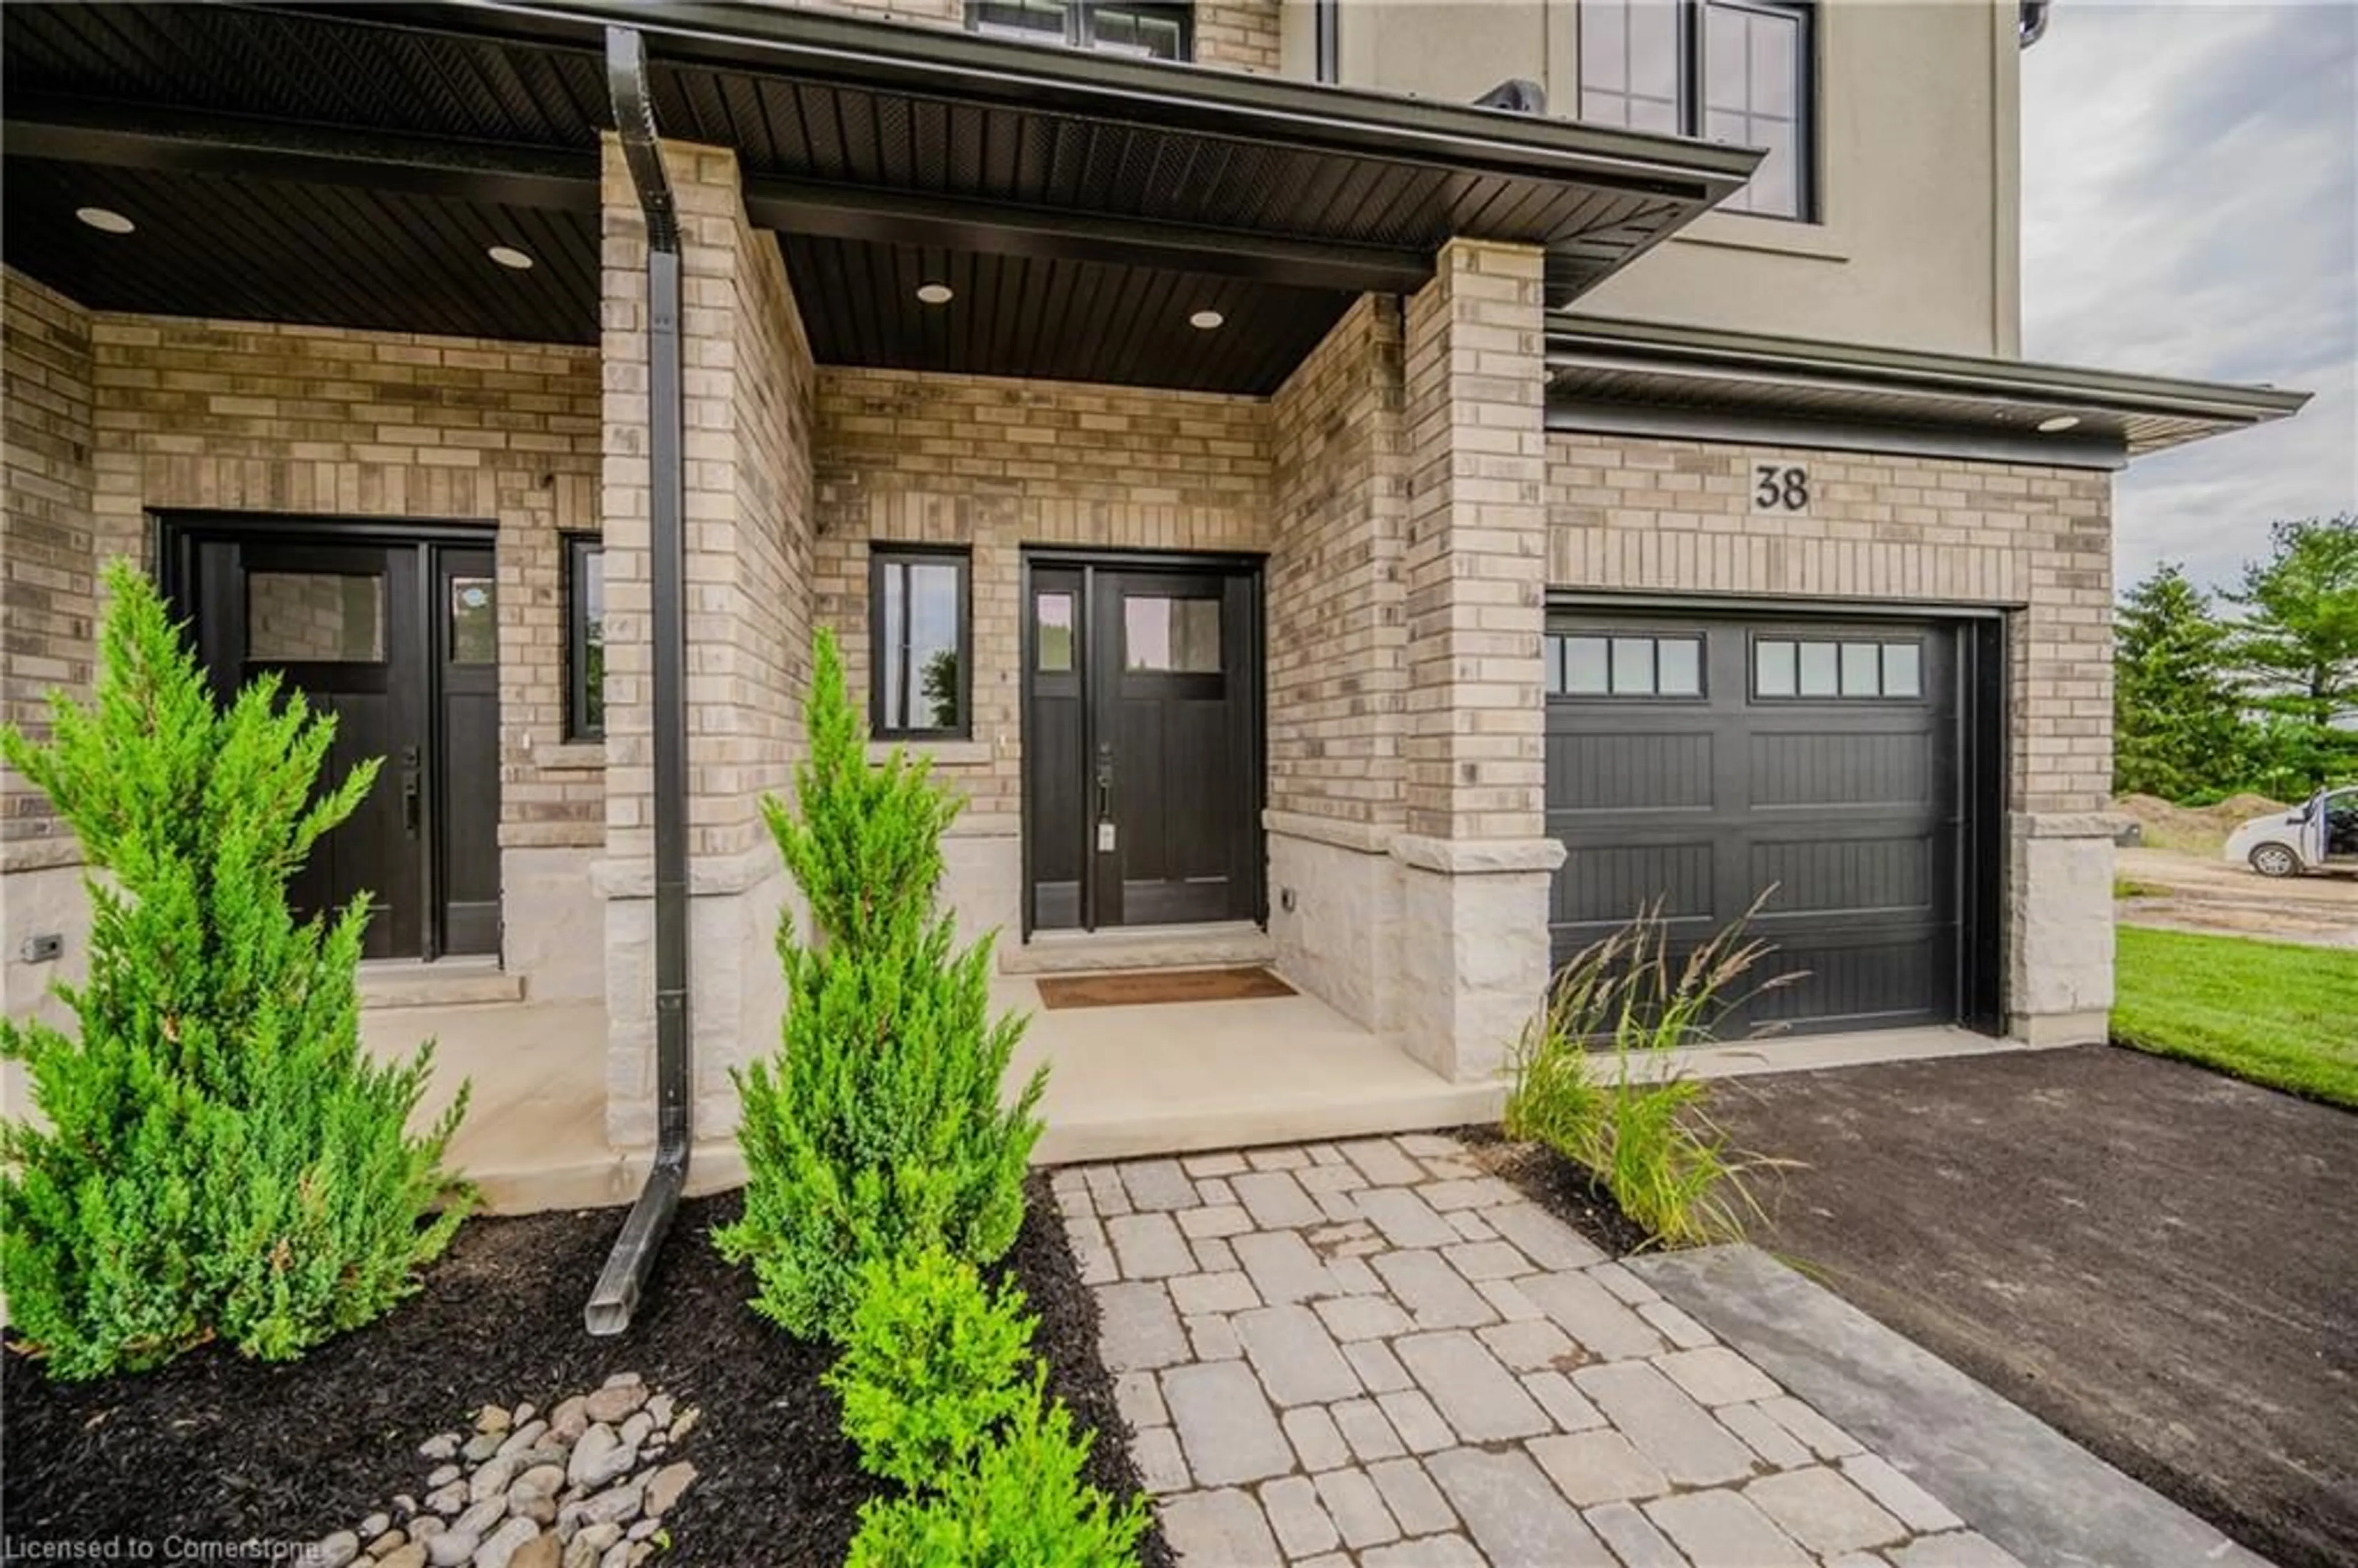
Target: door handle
(409, 804)
(1104, 814)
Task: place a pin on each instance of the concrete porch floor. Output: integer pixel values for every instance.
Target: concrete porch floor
(1123, 1081)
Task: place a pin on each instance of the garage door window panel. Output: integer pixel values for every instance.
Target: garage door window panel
(1626, 666)
(1848, 669)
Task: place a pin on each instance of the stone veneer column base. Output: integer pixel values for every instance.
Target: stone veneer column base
(2058, 926)
(1334, 915)
(737, 995)
(1474, 958)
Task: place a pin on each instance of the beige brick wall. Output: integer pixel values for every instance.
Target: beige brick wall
(996, 465)
(746, 389)
(49, 598)
(746, 386)
(310, 423)
(1337, 675)
(1636, 513)
(1477, 534)
(1240, 34)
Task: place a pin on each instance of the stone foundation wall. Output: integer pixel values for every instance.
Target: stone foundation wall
(1643, 514)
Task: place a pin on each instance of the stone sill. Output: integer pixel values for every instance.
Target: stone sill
(572, 756)
(941, 753)
(1777, 236)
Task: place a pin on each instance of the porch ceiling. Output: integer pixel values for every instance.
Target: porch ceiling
(350, 164)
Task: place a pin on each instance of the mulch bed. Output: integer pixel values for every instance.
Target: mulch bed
(1560, 1186)
(216, 1447)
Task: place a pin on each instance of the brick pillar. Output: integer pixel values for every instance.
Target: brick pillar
(1476, 856)
(747, 381)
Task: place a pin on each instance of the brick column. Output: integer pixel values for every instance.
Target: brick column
(1476, 858)
(747, 381)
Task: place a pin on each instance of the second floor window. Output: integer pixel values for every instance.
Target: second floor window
(1740, 71)
(1148, 32)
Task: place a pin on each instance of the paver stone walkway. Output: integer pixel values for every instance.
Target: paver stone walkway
(1375, 1353)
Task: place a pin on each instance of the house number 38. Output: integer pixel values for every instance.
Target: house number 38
(1778, 489)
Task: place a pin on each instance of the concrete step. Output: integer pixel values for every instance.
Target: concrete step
(1211, 947)
(452, 982)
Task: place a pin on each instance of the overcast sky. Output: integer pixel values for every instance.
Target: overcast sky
(2189, 195)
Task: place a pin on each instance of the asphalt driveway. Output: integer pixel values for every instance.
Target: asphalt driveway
(2158, 1262)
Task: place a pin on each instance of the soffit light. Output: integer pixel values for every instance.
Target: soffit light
(510, 258)
(936, 293)
(105, 219)
(1205, 321)
(2061, 422)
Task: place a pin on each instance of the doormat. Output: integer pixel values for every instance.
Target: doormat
(1144, 987)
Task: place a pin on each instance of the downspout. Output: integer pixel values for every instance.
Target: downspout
(617, 1293)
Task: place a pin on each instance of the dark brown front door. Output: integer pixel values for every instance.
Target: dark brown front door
(1142, 745)
(398, 641)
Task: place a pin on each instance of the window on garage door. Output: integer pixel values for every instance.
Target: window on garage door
(1817, 669)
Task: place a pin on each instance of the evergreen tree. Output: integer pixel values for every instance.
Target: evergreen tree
(2298, 643)
(2176, 712)
(877, 1131)
(216, 1156)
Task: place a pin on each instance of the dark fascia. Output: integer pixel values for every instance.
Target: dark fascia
(1574, 339)
(971, 67)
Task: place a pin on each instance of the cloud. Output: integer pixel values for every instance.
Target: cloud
(2191, 208)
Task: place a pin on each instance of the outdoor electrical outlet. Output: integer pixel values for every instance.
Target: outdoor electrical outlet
(43, 949)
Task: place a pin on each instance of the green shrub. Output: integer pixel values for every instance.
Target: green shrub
(1020, 1501)
(215, 1157)
(1591, 1078)
(932, 1362)
(878, 1130)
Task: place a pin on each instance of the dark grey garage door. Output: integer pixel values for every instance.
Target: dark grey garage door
(1701, 762)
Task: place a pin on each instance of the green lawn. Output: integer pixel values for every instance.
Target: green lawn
(2269, 1011)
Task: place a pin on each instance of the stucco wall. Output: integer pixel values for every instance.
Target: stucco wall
(1916, 237)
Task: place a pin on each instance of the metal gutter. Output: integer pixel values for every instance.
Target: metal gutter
(814, 47)
(616, 1296)
(1590, 343)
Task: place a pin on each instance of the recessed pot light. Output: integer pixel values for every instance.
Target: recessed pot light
(2060, 423)
(1205, 321)
(105, 219)
(510, 257)
(936, 293)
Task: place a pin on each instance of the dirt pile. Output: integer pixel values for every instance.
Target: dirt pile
(2191, 829)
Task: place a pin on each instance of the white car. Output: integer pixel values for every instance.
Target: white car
(2321, 836)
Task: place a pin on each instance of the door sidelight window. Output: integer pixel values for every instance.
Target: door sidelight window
(584, 637)
(919, 679)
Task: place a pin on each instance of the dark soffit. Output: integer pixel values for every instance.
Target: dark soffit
(1054, 319)
(348, 165)
(330, 255)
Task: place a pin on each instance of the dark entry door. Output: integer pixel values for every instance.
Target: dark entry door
(1696, 764)
(398, 641)
(1142, 749)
